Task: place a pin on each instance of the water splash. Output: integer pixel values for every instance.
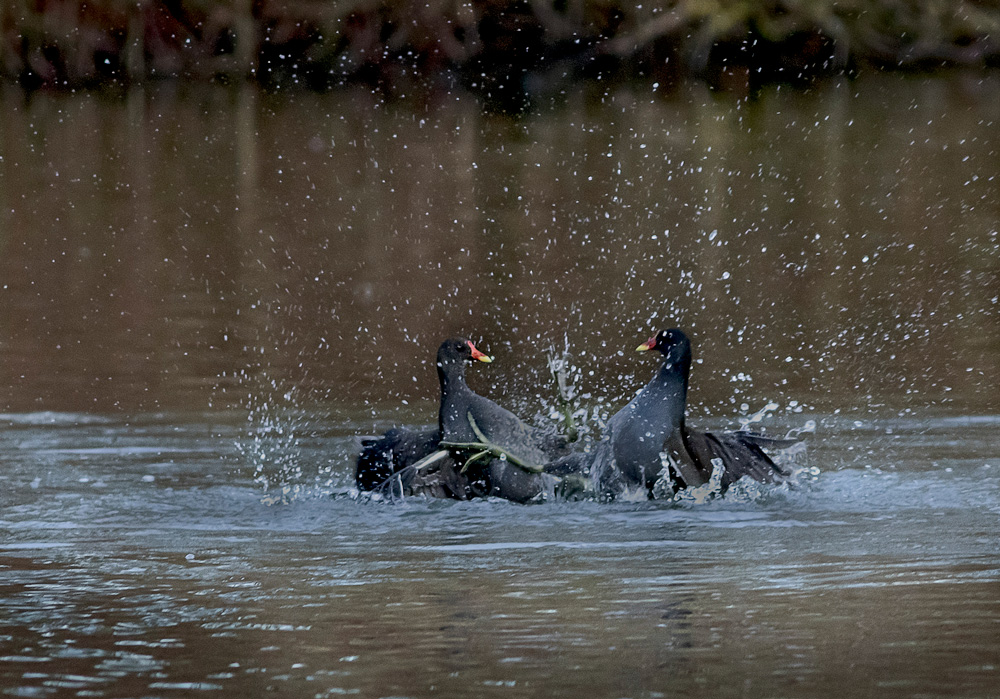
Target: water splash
(567, 407)
(705, 492)
(797, 432)
(275, 448)
(758, 416)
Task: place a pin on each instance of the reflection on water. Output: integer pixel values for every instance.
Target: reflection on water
(838, 247)
(183, 259)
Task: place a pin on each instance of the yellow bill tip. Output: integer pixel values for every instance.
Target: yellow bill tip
(477, 355)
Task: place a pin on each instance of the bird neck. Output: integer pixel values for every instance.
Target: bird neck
(672, 385)
(452, 378)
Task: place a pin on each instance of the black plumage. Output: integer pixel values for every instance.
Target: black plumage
(653, 423)
(466, 417)
(388, 461)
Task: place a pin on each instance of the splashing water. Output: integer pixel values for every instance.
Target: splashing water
(663, 487)
(797, 432)
(566, 406)
(758, 416)
(275, 447)
(707, 491)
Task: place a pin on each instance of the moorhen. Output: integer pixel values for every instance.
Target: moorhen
(467, 417)
(386, 465)
(464, 417)
(653, 422)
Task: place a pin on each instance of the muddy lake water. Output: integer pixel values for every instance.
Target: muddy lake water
(208, 294)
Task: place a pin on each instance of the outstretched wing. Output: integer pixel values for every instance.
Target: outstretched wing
(740, 452)
(764, 442)
(383, 456)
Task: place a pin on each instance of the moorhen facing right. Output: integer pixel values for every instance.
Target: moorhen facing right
(464, 417)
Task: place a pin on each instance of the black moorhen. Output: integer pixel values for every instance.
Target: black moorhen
(383, 456)
(653, 422)
(398, 450)
(468, 417)
(385, 463)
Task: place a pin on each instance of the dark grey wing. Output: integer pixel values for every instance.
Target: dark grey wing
(740, 456)
(381, 457)
(764, 441)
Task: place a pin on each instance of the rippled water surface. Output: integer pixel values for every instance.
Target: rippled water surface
(136, 562)
(208, 295)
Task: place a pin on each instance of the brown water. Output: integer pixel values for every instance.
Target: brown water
(208, 294)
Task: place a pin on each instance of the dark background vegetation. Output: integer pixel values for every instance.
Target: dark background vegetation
(491, 47)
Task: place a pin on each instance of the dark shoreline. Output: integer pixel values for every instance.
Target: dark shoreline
(500, 50)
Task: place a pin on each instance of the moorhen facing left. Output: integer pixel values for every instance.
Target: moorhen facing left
(653, 422)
